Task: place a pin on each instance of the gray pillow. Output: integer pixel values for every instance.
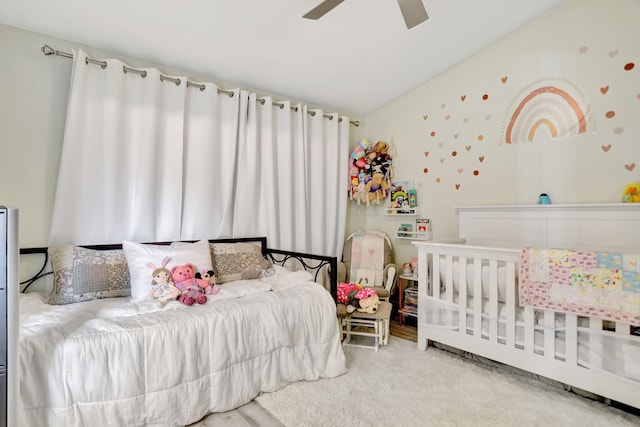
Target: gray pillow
(236, 261)
(81, 274)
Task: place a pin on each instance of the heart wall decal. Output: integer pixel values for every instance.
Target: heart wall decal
(604, 89)
(630, 167)
(606, 148)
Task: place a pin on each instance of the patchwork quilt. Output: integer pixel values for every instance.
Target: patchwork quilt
(605, 285)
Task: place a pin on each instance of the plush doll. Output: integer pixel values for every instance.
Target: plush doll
(377, 188)
(190, 287)
(163, 289)
(406, 270)
(413, 262)
(361, 150)
(210, 277)
(631, 193)
(357, 297)
(378, 158)
(363, 196)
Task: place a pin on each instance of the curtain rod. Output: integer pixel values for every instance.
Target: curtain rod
(48, 50)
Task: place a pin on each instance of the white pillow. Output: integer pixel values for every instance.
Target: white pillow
(139, 254)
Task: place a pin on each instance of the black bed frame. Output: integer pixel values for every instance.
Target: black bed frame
(310, 262)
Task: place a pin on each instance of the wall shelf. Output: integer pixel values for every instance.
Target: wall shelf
(401, 211)
(414, 235)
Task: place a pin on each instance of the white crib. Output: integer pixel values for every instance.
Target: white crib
(468, 295)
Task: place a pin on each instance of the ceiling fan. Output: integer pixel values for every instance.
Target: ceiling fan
(413, 11)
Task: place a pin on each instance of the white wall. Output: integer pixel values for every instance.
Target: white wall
(583, 45)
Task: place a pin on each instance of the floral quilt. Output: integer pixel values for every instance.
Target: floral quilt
(605, 285)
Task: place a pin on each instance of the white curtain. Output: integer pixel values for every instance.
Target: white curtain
(120, 168)
(149, 160)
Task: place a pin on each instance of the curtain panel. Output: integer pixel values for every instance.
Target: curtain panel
(149, 160)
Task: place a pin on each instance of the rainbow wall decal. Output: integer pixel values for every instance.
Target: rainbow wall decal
(554, 105)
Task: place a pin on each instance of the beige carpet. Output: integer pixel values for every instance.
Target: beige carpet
(402, 386)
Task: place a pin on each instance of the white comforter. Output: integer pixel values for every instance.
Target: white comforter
(111, 362)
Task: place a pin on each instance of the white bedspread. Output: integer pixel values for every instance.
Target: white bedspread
(111, 362)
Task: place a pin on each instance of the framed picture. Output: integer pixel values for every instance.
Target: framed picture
(365, 277)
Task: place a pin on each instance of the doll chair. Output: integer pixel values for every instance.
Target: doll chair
(367, 259)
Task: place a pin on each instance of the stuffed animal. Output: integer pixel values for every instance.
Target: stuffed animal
(190, 287)
(413, 262)
(210, 277)
(377, 187)
(362, 195)
(162, 287)
(361, 150)
(378, 158)
(406, 270)
(357, 297)
(631, 193)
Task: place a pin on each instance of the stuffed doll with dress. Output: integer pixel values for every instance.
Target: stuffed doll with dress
(163, 289)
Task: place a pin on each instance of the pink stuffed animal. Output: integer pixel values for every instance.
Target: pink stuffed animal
(357, 297)
(210, 277)
(190, 287)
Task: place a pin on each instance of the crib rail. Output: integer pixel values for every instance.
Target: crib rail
(468, 299)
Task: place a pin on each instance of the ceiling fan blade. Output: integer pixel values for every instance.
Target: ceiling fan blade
(413, 12)
(321, 9)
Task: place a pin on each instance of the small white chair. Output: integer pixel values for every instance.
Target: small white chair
(373, 325)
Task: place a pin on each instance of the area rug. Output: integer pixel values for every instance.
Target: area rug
(402, 386)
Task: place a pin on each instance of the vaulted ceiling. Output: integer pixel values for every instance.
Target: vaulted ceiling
(355, 59)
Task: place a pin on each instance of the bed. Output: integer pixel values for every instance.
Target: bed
(118, 361)
(473, 294)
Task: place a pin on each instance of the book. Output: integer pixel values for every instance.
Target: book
(400, 195)
(423, 226)
(403, 228)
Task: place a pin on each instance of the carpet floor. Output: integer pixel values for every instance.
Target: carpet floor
(402, 386)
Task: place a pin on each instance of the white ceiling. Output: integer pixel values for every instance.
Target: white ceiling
(356, 58)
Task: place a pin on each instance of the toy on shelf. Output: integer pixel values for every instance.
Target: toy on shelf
(413, 262)
(410, 269)
(544, 199)
(631, 193)
(406, 270)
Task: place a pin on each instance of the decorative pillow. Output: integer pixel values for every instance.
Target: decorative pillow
(235, 261)
(81, 274)
(139, 254)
